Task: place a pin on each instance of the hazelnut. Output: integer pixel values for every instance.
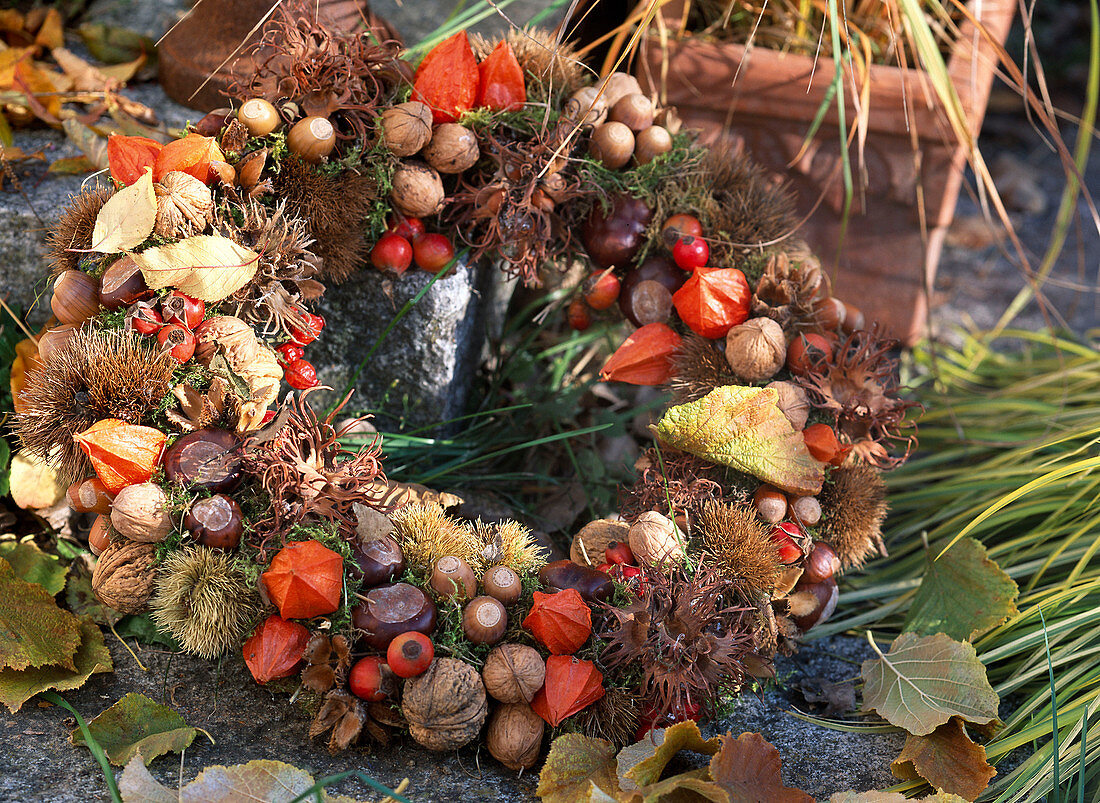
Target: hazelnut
(612, 144)
(771, 504)
(259, 117)
(585, 107)
(140, 512)
(417, 190)
(484, 621)
(514, 673)
(89, 495)
(806, 510)
(618, 85)
(453, 148)
(312, 138)
(756, 349)
(407, 127)
(503, 584)
(634, 110)
(453, 577)
(53, 340)
(514, 736)
(75, 297)
(651, 143)
(99, 537)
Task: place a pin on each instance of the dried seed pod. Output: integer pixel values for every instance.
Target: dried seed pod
(407, 127)
(635, 111)
(651, 143)
(655, 539)
(446, 706)
(613, 144)
(756, 349)
(259, 117)
(250, 168)
(514, 736)
(417, 190)
(123, 577)
(484, 620)
(771, 504)
(793, 402)
(224, 172)
(513, 673)
(75, 297)
(140, 512)
(618, 86)
(312, 138)
(585, 107)
(453, 148)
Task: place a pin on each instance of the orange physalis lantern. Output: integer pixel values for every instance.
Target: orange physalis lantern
(192, 155)
(306, 579)
(823, 445)
(644, 358)
(275, 649)
(561, 622)
(571, 685)
(447, 79)
(130, 157)
(713, 301)
(122, 454)
(502, 86)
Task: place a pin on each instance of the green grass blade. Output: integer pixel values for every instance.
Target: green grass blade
(89, 740)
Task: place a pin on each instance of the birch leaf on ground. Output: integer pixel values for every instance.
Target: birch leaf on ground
(748, 769)
(207, 267)
(963, 594)
(127, 219)
(947, 759)
(923, 681)
(578, 769)
(136, 725)
(92, 657)
(743, 427)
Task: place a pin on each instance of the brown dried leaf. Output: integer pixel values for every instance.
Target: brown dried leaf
(578, 769)
(642, 763)
(947, 759)
(748, 768)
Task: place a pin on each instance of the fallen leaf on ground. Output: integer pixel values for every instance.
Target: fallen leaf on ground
(963, 594)
(138, 726)
(207, 267)
(33, 565)
(577, 768)
(33, 630)
(127, 219)
(92, 657)
(748, 767)
(643, 762)
(33, 483)
(81, 600)
(948, 759)
(86, 77)
(923, 681)
(837, 698)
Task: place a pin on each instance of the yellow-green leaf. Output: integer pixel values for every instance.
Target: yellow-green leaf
(33, 630)
(137, 725)
(18, 686)
(576, 769)
(947, 759)
(743, 427)
(33, 565)
(923, 681)
(127, 219)
(206, 266)
(642, 763)
(963, 594)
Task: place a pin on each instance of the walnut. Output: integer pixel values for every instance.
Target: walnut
(247, 357)
(417, 189)
(756, 349)
(446, 706)
(589, 544)
(184, 205)
(140, 512)
(514, 736)
(513, 673)
(123, 577)
(793, 402)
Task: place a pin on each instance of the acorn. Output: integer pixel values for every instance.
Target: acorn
(484, 621)
(613, 144)
(312, 138)
(651, 143)
(635, 111)
(75, 297)
(407, 127)
(453, 148)
(259, 117)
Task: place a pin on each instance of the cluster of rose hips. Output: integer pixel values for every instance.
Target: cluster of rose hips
(408, 655)
(300, 374)
(172, 319)
(620, 563)
(682, 234)
(405, 242)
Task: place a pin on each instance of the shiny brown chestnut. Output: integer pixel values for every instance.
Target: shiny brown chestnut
(389, 610)
(212, 123)
(613, 237)
(205, 458)
(591, 583)
(122, 285)
(502, 583)
(378, 560)
(215, 522)
(813, 603)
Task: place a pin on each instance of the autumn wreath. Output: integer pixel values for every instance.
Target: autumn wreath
(231, 510)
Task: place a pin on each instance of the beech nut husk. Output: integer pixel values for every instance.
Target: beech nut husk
(140, 512)
(123, 577)
(446, 706)
(514, 673)
(756, 349)
(514, 736)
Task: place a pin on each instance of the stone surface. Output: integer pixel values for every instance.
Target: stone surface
(248, 722)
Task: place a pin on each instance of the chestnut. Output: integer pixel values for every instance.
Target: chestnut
(389, 610)
(312, 138)
(503, 584)
(657, 269)
(453, 577)
(591, 583)
(813, 603)
(259, 117)
(215, 522)
(122, 285)
(378, 560)
(821, 564)
(205, 458)
(484, 621)
(613, 237)
(212, 123)
(646, 302)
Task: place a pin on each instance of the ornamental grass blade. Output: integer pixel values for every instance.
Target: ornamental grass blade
(923, 681)
(743, 427)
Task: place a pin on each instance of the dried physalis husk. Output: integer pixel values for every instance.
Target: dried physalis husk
(756, 349)
(185, 205)
(793, 403)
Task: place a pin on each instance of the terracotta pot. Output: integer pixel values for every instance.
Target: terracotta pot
(204, 53)
(765, 101)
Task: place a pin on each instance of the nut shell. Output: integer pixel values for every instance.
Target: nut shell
(140, 512)
(417, 190)
(407, 127)
(514, 673)
(446, 706)
(656, 539)
(514, 736)
(123, 577)
(756, 349)
(453, 148)
(589, 544)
